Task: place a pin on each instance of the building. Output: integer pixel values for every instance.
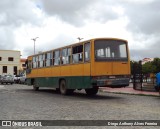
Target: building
(22, 65)
(145, 60)
(9, 62)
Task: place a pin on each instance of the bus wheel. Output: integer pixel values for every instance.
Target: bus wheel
(92, 91)
(35, 87)
(63, 89)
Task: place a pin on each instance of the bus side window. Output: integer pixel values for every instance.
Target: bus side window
(69, 55)
(56, 57)
(49, 59)
(66, 54)
(77, 54)
(37, 61)
(87, 52)
(51, 56)
(44, 60)
(34, 62)
(40, 61)
(75, 58)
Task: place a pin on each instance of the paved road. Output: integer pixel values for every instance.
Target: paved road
(20, 102)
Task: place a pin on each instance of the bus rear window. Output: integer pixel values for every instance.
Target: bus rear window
(114, 50)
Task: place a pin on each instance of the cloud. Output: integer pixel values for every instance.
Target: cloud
(144, 16)
(78, 13)
(139, 54)
(6, 38)
(14, 14)
(143, 24)
(59, 23)
(146, 47)
(58, 41)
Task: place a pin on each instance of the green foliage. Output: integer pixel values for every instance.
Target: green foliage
(148, 68)
(156, 64)
(151, 67)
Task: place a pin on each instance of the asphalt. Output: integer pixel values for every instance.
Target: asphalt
(146, 90)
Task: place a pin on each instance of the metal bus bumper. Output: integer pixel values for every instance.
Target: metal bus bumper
(113, 83)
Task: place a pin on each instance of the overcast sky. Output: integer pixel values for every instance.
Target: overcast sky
(60, 22)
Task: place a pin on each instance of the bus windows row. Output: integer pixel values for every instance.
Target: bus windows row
(62, 57)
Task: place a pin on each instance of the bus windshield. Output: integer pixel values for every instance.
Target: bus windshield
(113, 50)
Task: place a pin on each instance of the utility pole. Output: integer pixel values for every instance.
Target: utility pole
(34, 39)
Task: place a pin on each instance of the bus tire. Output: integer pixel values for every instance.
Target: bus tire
(35, 87)
(63, 88)
(92, 91)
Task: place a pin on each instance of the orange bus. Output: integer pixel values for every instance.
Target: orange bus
(99, 62)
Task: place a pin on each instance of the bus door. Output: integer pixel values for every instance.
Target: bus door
(121, 65)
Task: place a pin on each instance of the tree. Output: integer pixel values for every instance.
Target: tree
(151, 67)
(148, 68)
(156, 65)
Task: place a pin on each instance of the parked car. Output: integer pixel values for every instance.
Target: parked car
(16, 78)
(7, 79)
(22, 79)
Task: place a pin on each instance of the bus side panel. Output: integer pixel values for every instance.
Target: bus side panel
(30, 76)
(80, 76)
(87, 75)
(33, 73)
(40, 72)
(101, 68)
(77, 70)
(76, 75)
(47, 72)
(66, 70)
(78, 82)
(47, 82)
(87, 69)
(55, 71)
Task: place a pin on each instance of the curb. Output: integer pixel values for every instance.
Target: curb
(129, 93)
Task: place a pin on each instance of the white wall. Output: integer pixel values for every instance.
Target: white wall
(4, 54)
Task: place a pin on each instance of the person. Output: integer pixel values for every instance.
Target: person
(157, 87)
